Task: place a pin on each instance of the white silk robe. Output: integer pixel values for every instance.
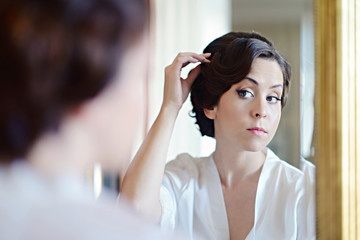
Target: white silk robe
(193, 203)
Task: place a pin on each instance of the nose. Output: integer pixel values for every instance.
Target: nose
(259, 109)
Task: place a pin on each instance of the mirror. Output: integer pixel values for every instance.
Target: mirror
(190, 26)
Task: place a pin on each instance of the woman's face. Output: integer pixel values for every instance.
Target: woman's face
(248, 114)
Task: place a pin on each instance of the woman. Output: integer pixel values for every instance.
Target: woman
(66, 82)
(243, 190)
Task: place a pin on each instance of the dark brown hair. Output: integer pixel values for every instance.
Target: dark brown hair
(56, 54)
(231, 58)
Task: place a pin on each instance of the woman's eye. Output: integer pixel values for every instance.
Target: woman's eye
(273, 99)
(244, 93)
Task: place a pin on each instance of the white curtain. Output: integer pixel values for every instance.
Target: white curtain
(183, 26)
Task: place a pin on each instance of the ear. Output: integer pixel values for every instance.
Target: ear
(210, 112)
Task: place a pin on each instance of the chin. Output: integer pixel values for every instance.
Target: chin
(255, 149)
(254, 146)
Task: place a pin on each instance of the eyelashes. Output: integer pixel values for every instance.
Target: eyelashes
(273, 99)
(245, 93)
(248, 94)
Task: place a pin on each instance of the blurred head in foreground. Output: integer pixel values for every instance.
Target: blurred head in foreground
(70, 73)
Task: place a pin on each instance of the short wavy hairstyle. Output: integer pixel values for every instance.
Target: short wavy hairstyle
(231, 58)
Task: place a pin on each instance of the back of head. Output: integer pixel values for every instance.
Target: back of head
(231, 58)
(56, 54)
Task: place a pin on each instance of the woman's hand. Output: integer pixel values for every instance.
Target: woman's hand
(177, 89)
(142, 182)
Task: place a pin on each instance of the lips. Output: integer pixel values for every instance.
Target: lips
(257, 131)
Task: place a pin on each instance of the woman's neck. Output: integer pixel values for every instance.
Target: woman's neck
(236, 165)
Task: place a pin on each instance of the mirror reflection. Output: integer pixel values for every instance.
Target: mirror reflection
(238, 84)
(190, 27)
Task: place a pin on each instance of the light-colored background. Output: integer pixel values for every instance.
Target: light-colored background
(189, 25)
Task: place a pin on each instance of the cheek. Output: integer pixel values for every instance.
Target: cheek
(114, 119)
(234, 110)
(119, 111)
(275, 117)
(229, 116)
(128, 109)
(132, 91)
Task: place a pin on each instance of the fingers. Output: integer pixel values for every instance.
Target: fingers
(183, 59)
(202, 57)
(190, 60)
(196, 71)
(206, 55)
(177, 89)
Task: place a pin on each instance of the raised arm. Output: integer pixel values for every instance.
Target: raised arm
(143, 178)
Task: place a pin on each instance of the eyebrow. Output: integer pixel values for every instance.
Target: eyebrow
(256, 83)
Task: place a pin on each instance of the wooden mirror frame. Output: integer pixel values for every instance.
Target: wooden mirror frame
(337, 118)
